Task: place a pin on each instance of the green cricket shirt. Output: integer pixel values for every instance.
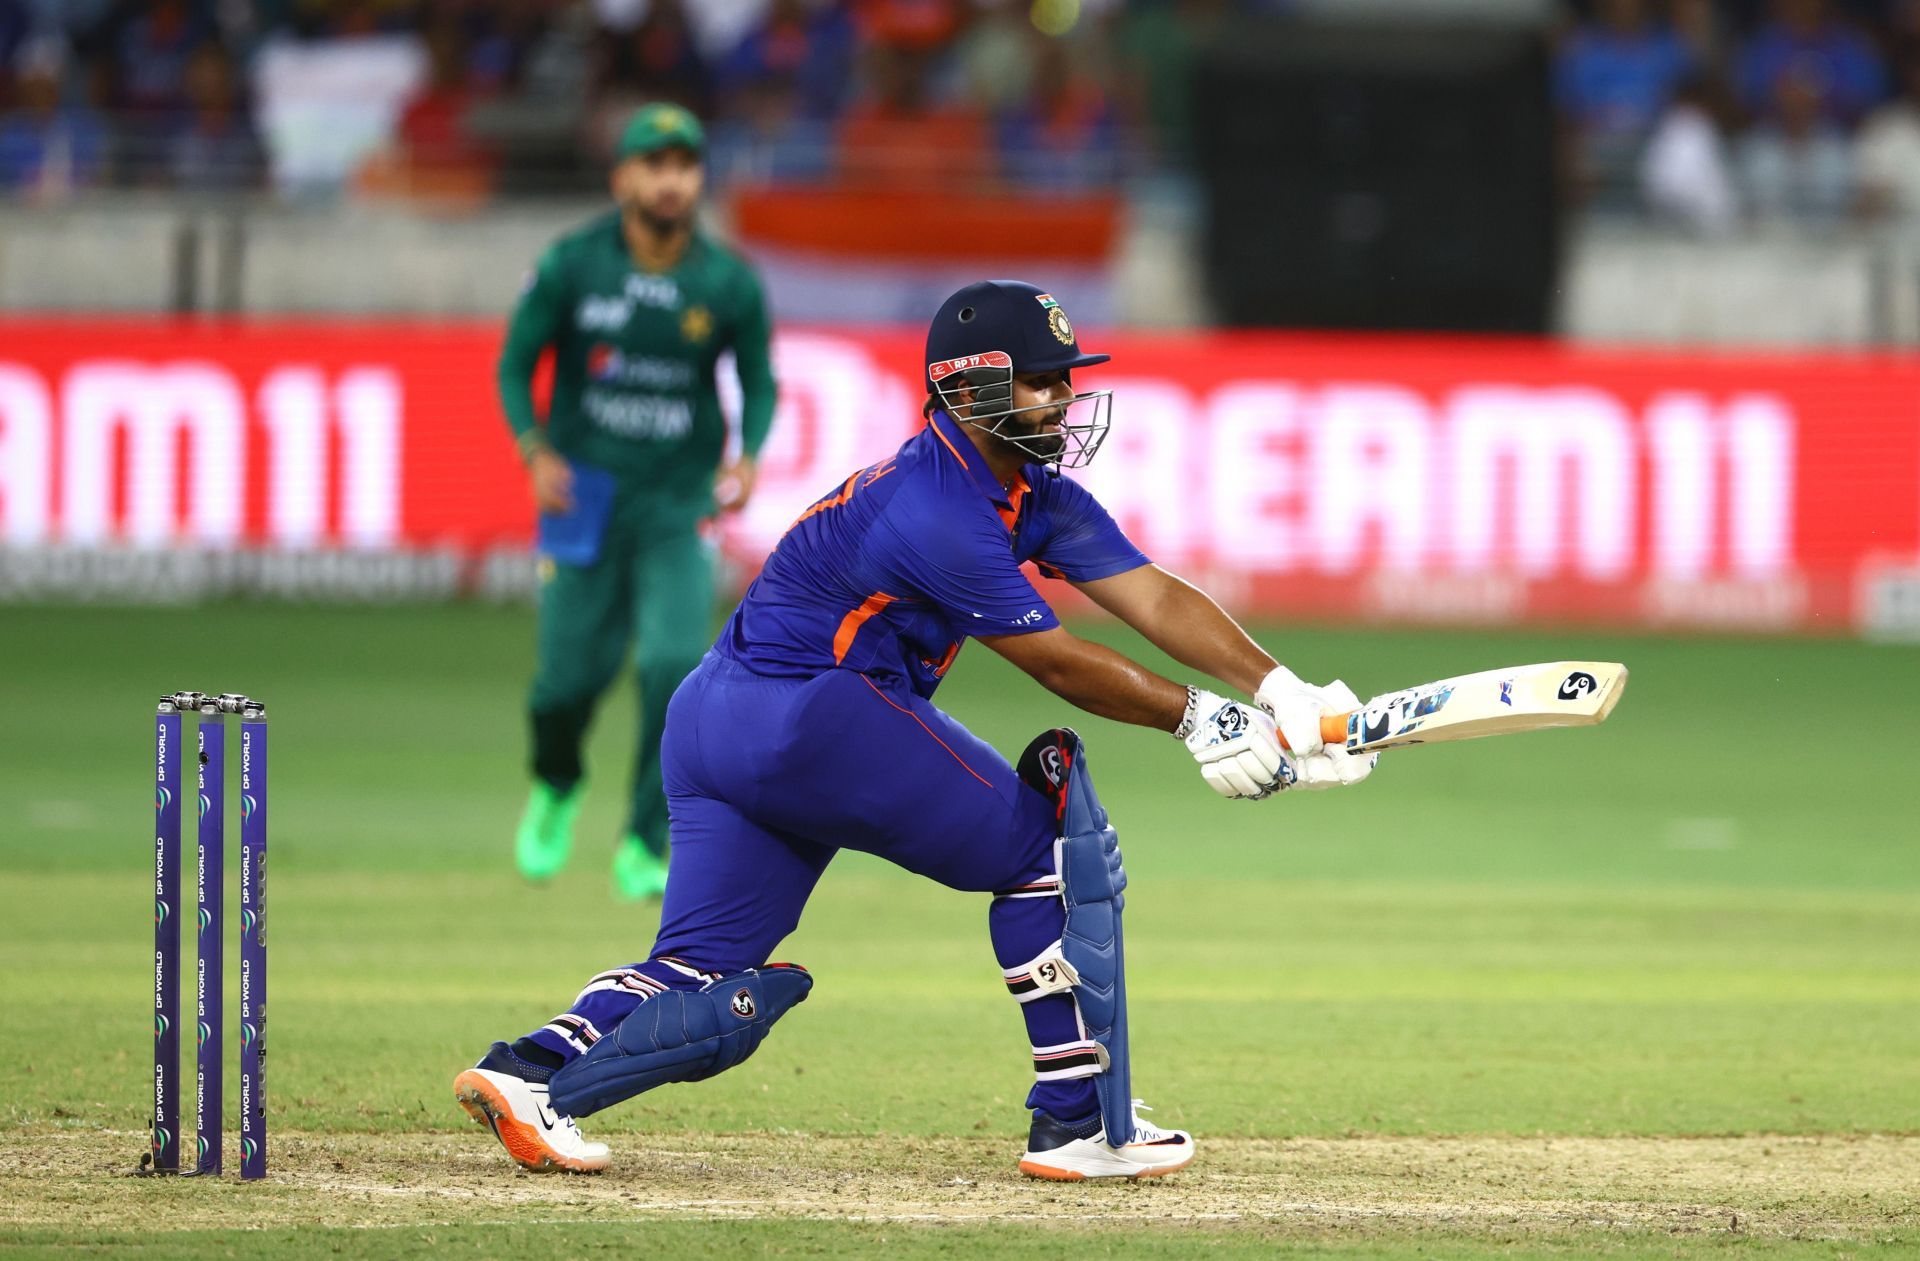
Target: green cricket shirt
(634, 360)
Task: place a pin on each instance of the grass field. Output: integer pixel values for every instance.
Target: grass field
(1651, 990)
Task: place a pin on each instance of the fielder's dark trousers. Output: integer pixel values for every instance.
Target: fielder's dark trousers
(648, 593)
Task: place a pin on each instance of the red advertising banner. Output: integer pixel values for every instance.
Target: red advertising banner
(1333, 478)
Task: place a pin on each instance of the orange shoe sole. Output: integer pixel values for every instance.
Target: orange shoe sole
(1034, 1169)
(484, 1103)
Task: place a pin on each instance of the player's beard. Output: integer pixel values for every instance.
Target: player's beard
(1036, 442)
(657, 222)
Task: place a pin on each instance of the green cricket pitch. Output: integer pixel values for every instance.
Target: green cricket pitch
(1651, 989)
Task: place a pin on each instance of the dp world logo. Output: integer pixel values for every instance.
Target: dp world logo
(206, 918)
(162, 798)
(160, 912)
(247, 1035)
(205, 805)
(248, 1147)
(247, 806)
(160, 1137)
(247, 919)
(205, 1033)
(160, 1025)
(203, 1145)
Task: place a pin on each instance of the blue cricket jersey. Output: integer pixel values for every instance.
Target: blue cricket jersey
(891, 573)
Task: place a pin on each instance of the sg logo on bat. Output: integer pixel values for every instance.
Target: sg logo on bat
(1578, 686)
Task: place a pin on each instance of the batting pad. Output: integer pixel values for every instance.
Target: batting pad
(1087, 856)
(680, 1035)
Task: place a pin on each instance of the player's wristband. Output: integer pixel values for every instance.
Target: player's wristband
(1192, 717)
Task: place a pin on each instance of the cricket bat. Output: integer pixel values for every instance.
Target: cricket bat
(1491, 703)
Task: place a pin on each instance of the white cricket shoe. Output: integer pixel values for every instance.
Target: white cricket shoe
(516, 1109)
(1071, 1154)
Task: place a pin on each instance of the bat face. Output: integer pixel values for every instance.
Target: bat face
(1491, 703)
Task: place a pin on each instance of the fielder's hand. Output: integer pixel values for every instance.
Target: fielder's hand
(552, 480)
(1296, 708)
(734, 486)
(1236, 746)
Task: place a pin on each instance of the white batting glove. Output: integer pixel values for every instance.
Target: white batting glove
(1297, 708)
(1237, 746)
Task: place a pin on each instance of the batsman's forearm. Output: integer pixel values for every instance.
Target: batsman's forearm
(1103, 682)
(1190, 627)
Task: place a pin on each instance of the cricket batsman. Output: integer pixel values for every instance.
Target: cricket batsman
(809, 728)
(637, 307)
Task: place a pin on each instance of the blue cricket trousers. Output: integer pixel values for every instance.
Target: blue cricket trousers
(767, 778)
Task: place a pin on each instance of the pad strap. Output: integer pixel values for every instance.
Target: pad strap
(1044, 887)
(1069, 1060)
(1046, 973)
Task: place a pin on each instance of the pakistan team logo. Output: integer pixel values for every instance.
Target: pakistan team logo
(697, 324)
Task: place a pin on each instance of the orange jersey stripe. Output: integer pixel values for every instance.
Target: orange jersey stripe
(848, 490)
(846, 493)
(953, 650)
(850, 624)
(1015, 493)
(948, 445)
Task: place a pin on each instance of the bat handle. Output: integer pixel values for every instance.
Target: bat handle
(1333, 730)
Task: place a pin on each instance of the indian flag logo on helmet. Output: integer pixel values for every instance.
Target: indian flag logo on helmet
(1057, 322)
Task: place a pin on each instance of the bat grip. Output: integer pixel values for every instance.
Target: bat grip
(1333, 730)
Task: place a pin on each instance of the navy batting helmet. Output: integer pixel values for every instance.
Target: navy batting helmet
(994, 330)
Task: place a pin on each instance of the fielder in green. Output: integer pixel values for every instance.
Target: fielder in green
(637, 307)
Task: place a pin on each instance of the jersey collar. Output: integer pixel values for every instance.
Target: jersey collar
(947, 431)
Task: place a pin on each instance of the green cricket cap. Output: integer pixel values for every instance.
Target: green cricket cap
(661, 125)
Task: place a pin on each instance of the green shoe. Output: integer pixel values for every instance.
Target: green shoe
(545, 838)
(638, 874)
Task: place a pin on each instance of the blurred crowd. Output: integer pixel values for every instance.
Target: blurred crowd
(467, 98)
(1715, 114)
(1711, 113)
